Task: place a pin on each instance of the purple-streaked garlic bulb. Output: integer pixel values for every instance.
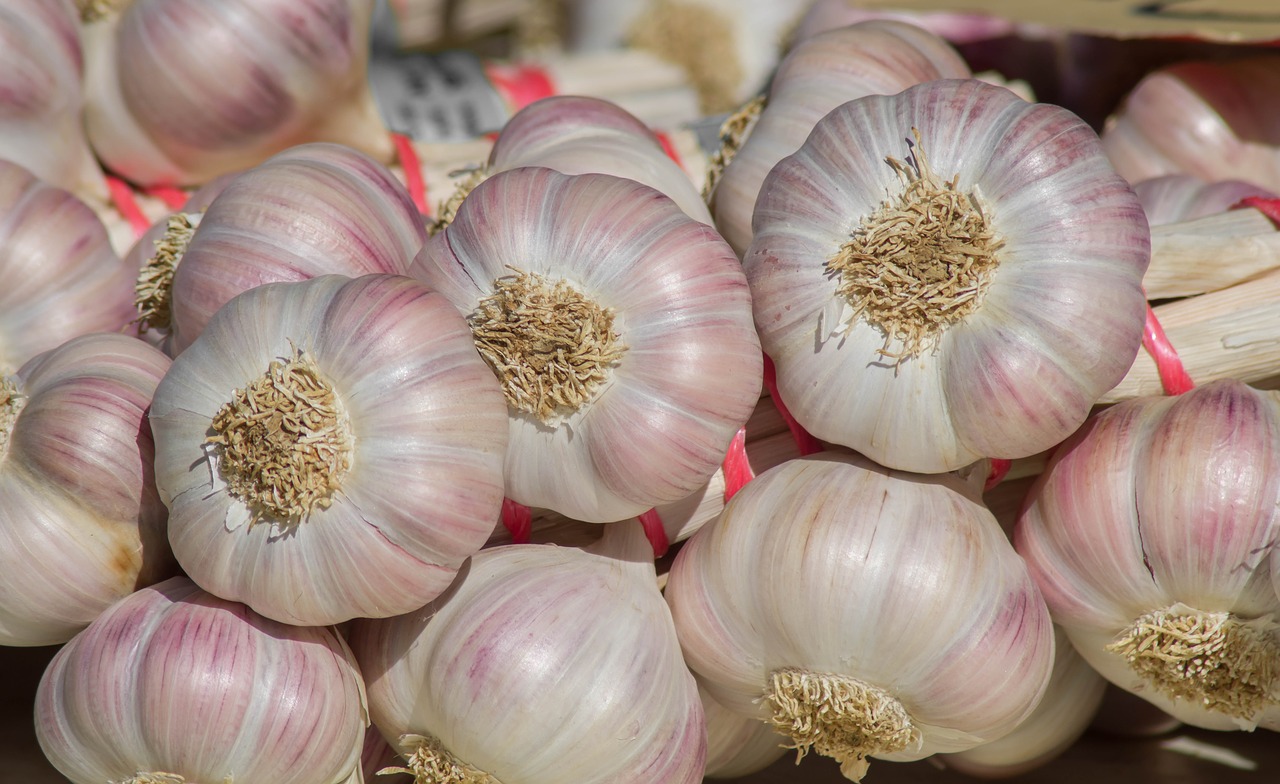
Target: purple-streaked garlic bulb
(956, 27)
(539, 665)
(988, 328)
(59, 275)
(41, 74)
(619, 327)
(311, 210)
(180, 91)
(173, 684)
(1173, 198)
(1149, 534)
(330, 448)
(1217, 120)
(582, 135)
(862, 612)
(81, 524)
(819, 74)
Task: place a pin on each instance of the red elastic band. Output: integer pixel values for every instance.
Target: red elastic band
(737, 467)
(655, 532)
(1268, 207)
(807, 444)
(1173, 376)
(519, 84)
(173, 198)
(518, 520)
(669, 148)
(125, 203)
(412, 166)
(999, 469)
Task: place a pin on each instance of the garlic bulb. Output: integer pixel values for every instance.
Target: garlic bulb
(540, 665)
(180, 91)
(313, 209)
(59, 275)
(988, 330)
(737, 745)
(619, 327)
(819, 74)
(956, 27)
(1214, 120)
(330, 448)
(1172, 198)
(862, 612)
(173, 685)
(91, 509)
(41, 121)
(1073, 698)
(1149, 534)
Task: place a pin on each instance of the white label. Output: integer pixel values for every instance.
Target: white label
(435, 96)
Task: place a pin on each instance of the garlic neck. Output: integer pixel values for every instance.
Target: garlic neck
(94, 10)
(429, 762)
(921, 262)
(11, 403)
(1212, 659)
(284, 442)
(839, 717)
(552, 347)
(154, 287)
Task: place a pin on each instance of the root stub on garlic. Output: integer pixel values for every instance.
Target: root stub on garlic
(838, 717)
(429, 762)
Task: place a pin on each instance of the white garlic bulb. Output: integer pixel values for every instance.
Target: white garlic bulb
(173, 685)
(1149, 535)
(819, 74)
(738, 745)
(539, 665)
(330, 448)
(90, 509)
(862, 612)
(313, 209)
(59, 275)
(619, 327)
(988, 329)
(180, 91)
(41, 75)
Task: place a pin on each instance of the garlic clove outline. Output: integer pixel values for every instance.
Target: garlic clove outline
(364, 502)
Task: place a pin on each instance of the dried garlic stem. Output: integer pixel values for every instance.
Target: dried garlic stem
(839, 717)
(154, 288)
(431, 763)
(549, 344)
(1215, 659)
(159, 777)
(11, 402)
(697, 38)
(284, 441)
(733, 134)
(921, 262)
(93, 10)
(467, 182)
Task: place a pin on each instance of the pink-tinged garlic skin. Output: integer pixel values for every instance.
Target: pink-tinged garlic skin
(81, 524)
(59, 275)
(1060, 321)
(1172, 198)
(1213, 120)
(1153, 502)
(180, 91)
(541, 665)
(41, 70)
(956, 27)
(833, 564)
(314, 209)
(691, 374)
(424, 489)
(820, 73)
(582, 135)
(172, 679)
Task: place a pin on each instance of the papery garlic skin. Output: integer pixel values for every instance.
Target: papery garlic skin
(181, 91)
(59, 275)
(1171, 198)
(1006, 370)
(1167, 504)
(838, 568)
(81, 524)
(424, 421)
(541, 665)
(817, 75)
(41, 74)
(173, 684)
(738, 745)
(660, 422)
(313, 209)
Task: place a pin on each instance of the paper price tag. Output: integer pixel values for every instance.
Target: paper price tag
(436, 96)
